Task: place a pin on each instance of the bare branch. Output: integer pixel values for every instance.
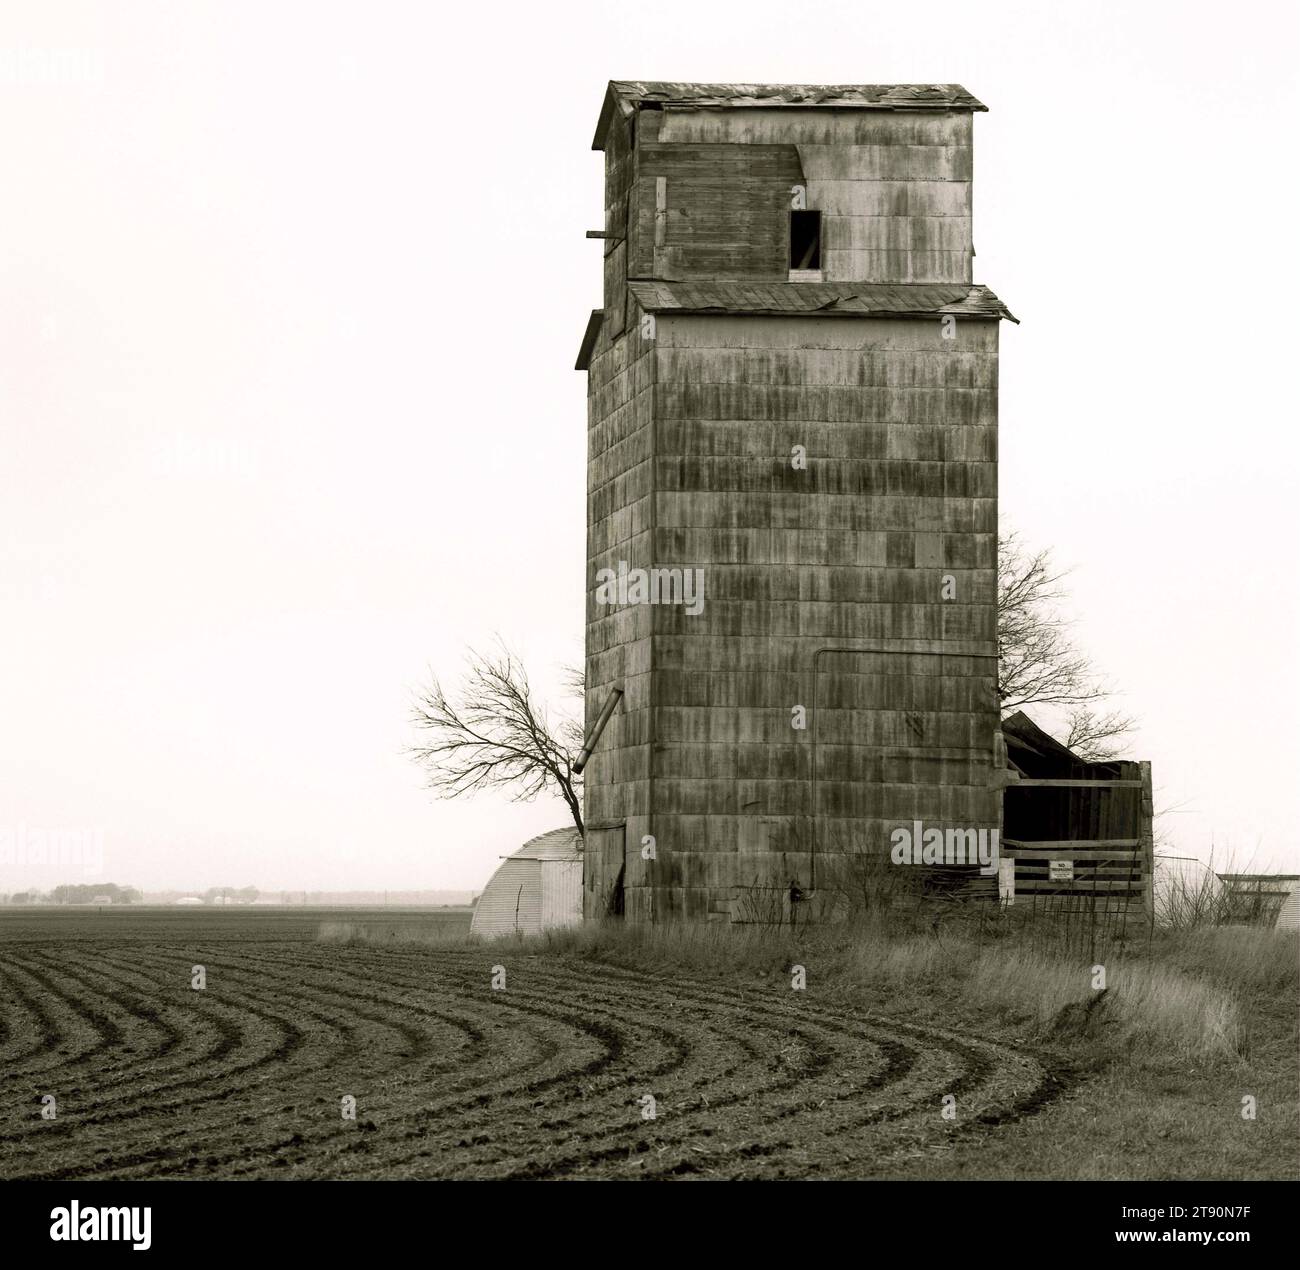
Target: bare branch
(1096, 737)
(1037, 662)
(493, 735)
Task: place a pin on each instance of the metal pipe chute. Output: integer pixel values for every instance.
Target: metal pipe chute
(607, 710)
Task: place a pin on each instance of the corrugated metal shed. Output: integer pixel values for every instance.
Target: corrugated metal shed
(561, 893)
(1256, 899)
(623, 96)
(537, 888)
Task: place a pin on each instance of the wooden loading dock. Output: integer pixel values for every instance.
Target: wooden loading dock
(1077, 836)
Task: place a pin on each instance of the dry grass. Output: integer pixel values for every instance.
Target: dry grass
(1185, 994)
(1191, 1020)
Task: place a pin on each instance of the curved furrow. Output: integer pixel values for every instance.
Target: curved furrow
(477, 1129)
(699, 1084)
(41, 1036)
(954, 1081)
(956, 1069)
(296, 1079)
(132, 1009)
(584, 1036)
(541, 998)
(979, 1059)
(143, 1105)
(193, 1037)
(497, 1105)
(692, 1111)
(534, 1049)
(453, 1079)
(77, 1035)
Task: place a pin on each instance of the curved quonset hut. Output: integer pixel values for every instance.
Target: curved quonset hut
(792, 491)
(537, 888)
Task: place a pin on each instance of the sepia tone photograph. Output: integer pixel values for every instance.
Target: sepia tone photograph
(561, 622)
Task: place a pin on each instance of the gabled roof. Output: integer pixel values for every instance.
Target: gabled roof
(623, 96)
(825, 298)
(1021, 732)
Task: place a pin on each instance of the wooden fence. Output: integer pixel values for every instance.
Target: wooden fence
(1081, 846)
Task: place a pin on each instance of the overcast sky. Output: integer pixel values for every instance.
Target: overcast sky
(290, 296)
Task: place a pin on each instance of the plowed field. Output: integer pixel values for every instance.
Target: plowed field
(547, 1077)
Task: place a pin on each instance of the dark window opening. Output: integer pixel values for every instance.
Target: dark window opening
(805, 240)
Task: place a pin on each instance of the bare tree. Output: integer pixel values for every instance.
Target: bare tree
(1037, 662)
(494, 735)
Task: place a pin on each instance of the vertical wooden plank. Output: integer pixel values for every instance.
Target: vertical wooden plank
(661, 224)
(1146, 838)
(1006, 881)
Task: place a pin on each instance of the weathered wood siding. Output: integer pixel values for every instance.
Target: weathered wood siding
(894, 190)
(823, 584)
(619, 168)
(899, 491)
(706, 210)
(620, 511)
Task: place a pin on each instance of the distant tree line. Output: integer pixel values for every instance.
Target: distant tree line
(231, 894)
(77, 893)
(112, 893)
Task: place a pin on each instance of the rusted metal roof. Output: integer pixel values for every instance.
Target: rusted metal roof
(623, 96)
(1024, 737)
(820, 298)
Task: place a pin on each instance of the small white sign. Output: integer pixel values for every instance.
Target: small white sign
(1060, 870)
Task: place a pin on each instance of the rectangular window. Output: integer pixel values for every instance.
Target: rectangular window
(805, 240)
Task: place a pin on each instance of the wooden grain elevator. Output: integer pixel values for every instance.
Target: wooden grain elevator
(791, 491)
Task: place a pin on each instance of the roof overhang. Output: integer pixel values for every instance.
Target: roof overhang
(821, 299)
(589, 337)
(624, 97)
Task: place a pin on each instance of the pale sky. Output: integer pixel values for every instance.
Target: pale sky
(290, 296)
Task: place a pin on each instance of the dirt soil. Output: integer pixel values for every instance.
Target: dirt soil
(545, 1078)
